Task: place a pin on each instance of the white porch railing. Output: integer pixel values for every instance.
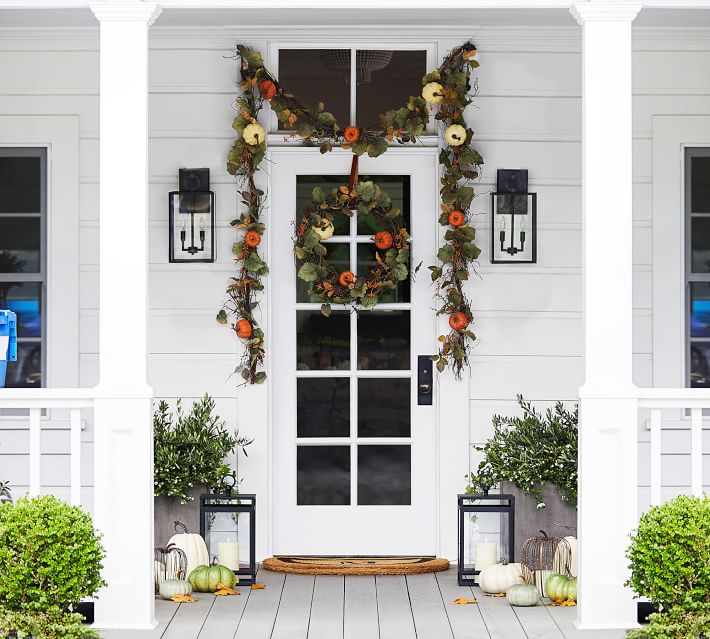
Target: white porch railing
(659, 400)
(37, 400)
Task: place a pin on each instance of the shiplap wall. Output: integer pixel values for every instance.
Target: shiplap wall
(528, 115)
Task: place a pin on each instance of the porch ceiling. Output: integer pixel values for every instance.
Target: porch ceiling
(459, 17)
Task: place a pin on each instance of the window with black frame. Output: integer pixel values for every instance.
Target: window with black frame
(23, 212)
(379, 80)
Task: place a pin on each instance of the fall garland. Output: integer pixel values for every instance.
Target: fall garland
(445, 91)
(392, 266)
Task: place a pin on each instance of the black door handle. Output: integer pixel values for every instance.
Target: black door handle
(425, 380)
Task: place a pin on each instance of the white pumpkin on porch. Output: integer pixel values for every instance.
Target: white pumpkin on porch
(498, 578)
(559, 558)
(193, 546)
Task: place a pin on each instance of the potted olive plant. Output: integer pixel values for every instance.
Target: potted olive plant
(190, 458)
(533, 457)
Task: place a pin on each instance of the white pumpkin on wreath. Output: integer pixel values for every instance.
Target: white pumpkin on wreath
(455, 135)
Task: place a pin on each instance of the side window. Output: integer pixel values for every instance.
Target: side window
(23, 213)
(378, 81)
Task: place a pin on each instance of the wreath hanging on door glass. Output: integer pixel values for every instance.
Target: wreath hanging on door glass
(391, 244)
(445, 93)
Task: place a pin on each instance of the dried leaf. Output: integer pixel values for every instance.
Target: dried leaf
(463, 600)
(224, 591)
(258, 586)
(183, 599)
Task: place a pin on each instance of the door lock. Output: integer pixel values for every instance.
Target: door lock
(425, 380)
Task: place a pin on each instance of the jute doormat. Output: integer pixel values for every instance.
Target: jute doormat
(355, 565)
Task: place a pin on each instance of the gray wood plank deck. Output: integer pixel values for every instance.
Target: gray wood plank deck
(383, 607)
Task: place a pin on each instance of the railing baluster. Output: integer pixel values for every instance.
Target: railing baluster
(75, 456)
(696, 451)
(655, 456)
(35, 451)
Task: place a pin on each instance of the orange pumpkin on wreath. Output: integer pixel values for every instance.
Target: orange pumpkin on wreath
(383, 240)
(252, 239)
(456, 218)
(458, 321)
(351, 134)
(346, 278)
(243, 329)
(267, 89)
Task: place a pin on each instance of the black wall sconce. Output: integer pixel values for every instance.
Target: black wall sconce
(513, 219)
(192, 218)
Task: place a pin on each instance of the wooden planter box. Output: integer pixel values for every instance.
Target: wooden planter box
(529, 519)
(168, 510)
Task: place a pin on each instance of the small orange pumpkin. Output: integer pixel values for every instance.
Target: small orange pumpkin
(267, 89)
(252, 239)
(458, 321)
(243, 328)
(351, 134)
(383, 240)
(346, 278)
(456, 218)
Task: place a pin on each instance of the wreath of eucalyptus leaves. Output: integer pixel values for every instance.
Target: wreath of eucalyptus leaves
(326, 282)
(446, 93)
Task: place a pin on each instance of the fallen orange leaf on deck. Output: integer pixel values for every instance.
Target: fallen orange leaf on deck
(183, 599)
(495, 594)
(568, 603)
(223, 591)
(462, 600)
(258, 586)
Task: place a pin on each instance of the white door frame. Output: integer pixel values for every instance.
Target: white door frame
(312, 157)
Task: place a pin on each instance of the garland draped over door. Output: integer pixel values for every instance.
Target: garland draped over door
(445, 93)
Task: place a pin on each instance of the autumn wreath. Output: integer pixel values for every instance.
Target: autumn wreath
(391, 243)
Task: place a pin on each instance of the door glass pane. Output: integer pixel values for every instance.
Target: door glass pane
(318, 75)
(339, 257)
(322, 343)
(384, 475)
(23, 298)
(699, 309)
(26, 372)
(386, 80)
(366, 260)
(20, 244)
(398, 188)
(700, 364)
(383, 341)
(700, 185)
(20, 184)
(384, 408)
(323, 475)
(323, 407)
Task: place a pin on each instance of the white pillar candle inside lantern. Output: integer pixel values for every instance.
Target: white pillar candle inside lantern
(486, 554)
(228, 554)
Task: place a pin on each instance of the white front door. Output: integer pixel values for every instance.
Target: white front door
(353, 449)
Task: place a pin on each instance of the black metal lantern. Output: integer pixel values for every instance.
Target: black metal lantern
(485, 533)
(192, 218)
(228, 526)
(513, 219)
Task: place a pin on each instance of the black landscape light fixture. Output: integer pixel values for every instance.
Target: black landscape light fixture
(513, 219)
(192, 218)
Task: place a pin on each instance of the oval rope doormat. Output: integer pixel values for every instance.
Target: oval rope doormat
(355, 565)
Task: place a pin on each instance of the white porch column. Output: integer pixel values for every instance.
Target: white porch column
(123, 445)
(608, 413)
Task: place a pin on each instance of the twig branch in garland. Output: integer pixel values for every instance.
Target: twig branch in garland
(447, 90)
(450, 88)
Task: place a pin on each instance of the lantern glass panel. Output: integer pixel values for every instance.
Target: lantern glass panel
(192, 221)
(486, 537)
(513, 229)
(228, 530)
